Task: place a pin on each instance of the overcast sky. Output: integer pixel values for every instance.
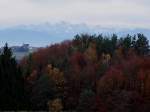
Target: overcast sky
(125, 13)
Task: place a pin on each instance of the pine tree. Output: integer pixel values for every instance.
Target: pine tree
(11, 82)
(142, 45)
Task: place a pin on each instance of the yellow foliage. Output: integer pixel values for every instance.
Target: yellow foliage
(49, 69)
(55, 105)
(91, 53)
(106, 58)
(56, 75)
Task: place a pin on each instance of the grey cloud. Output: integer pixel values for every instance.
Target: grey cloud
(88, 11)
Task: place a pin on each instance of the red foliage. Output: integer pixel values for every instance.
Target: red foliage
(99, 105)
(77, 62)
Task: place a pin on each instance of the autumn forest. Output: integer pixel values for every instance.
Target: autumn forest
(90, 73)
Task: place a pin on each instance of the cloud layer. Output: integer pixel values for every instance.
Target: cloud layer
(124, 13)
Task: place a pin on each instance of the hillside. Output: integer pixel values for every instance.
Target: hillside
(91, 73)
(19, 52)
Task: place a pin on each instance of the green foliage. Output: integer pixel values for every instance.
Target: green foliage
(42, 91)
(127, 43)
(81, 42)
(86, 101)
(141, 45)
(12, 96)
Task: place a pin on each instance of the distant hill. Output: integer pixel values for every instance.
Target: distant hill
(45, 34)
(20, 51)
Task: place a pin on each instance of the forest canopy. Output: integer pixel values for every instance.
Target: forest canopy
(91, 73)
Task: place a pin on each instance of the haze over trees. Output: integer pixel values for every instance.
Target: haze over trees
(91, 73)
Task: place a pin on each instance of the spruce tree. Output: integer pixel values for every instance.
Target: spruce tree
(11, 82)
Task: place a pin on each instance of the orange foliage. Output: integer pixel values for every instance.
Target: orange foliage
(56, 75)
